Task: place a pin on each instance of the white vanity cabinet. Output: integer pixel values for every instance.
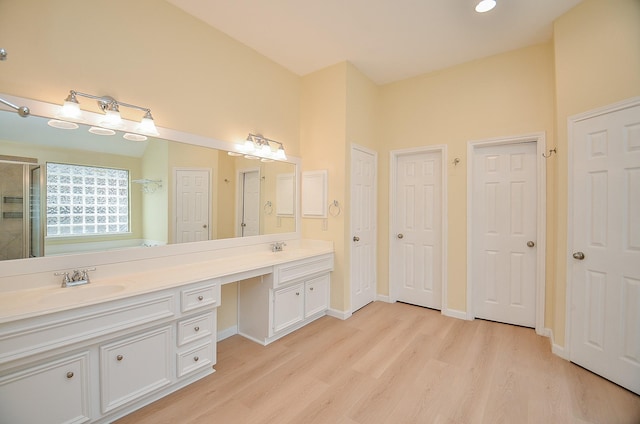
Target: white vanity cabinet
(98, 362)
(288, 307)
(274, 305)
(134, 367)
(55, 391)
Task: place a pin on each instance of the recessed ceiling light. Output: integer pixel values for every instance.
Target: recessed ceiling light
(485, 6)
(63, 125)
(101, 131)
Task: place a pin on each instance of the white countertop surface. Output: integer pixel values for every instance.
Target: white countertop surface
(21, 304)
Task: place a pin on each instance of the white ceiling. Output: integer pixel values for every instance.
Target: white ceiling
(387, 40)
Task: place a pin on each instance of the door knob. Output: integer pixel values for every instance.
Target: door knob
(530, 243)
(400, 235)
(204, 226)
(578, 255)
(356, 238)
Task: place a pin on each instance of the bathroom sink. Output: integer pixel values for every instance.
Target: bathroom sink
(70, 295)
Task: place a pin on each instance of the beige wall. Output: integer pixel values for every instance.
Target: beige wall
(506, 95)
(597, 63)
(323, 142)
(155, 206)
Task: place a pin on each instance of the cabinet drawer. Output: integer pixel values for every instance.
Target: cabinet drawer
(196, 328)
(304, 267)
(135, 366)
(208, 295)
(53, 392)
(196, 358)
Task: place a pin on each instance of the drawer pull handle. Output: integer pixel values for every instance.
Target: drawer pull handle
(119, 357)
(69, 374)
(200, 298)
(196, 329)
(196, 359)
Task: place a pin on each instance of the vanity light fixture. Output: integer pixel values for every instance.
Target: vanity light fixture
(22, 110)
(259, 147)
(485, 6)
(111, 107)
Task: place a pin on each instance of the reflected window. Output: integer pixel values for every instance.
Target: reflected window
(86, 200)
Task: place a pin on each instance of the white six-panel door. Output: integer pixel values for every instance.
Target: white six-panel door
(503, 263)
(363, 227)
(249, 203)
(192, 205)
(416, 240)
(604, 260)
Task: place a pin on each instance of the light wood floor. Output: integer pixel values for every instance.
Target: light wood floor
(396, 363)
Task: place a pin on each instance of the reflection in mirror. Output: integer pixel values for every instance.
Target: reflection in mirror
(69, 191)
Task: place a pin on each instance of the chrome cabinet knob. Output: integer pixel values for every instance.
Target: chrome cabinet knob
(196, 329)
(530, 243)
(119, 357)
(196, 359)
(356, 238)
(200, 298)
(400, 236)
(578, 255)
(69, 374)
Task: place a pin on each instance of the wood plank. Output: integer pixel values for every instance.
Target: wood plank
(396, 363)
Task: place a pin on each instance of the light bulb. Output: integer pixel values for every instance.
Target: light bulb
(70, 110)
(112, 119)
(147, 125)
(280, 155)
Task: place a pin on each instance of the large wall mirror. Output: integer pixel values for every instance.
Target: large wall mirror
(67, 191)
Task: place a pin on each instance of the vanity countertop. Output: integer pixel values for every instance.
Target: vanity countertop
(21, 304)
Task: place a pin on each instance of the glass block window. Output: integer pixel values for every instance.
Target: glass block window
(86, 200)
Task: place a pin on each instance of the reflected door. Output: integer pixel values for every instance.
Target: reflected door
(192, 205)
(250, 204)
(605, 283)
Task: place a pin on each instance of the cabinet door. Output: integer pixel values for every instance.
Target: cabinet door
(53, 392)
(316, 295)
(288, 307)
(135, 366)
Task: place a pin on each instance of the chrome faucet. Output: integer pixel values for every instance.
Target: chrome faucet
(278, 246)
(75, 277)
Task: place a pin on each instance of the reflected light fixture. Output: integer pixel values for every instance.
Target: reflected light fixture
(258, 147)
(485, 6)
(111, 107)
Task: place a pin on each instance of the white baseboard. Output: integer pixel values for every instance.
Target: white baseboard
(556, 349)
(546, 332)
(227, 332)
(453, 313)
(339, 314)
(383, 298)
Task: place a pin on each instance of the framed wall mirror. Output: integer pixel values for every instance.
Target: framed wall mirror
(70, 191)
